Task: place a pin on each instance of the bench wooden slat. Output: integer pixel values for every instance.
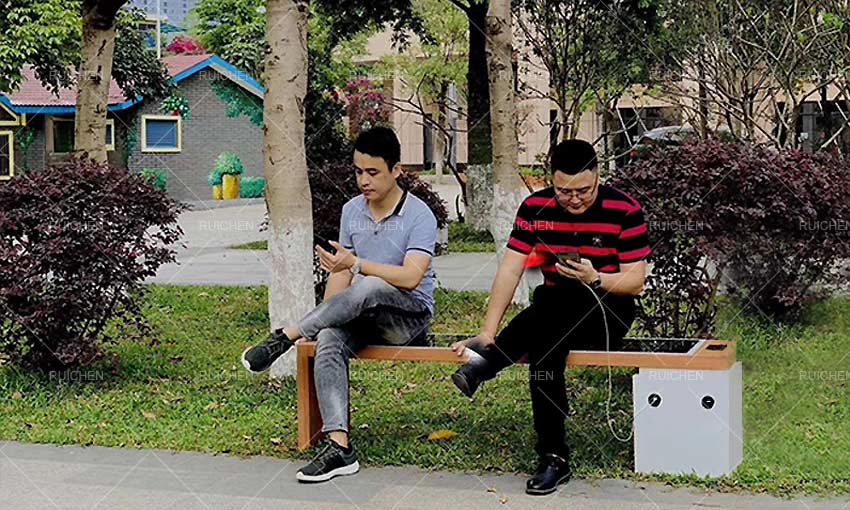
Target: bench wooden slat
(309, 418)
(704, 359)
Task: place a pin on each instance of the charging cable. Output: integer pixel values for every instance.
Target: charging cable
(610, 385)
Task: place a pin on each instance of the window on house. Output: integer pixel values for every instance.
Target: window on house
(821, 124)
(7, 155)
(63, 135)
(7, 118)
(161, 133)
(110, 135)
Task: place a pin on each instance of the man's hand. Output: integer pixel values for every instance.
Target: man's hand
(582, 271)
(336, 262)
(482, 339)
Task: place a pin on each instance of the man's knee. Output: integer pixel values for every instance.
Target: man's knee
(330, 340)
(367, 289)
(370, 285)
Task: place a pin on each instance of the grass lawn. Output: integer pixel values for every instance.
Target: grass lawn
(185, 389)
(254, 245)
(463, 238)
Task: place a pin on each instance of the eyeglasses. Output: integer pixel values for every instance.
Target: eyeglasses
(578, 193)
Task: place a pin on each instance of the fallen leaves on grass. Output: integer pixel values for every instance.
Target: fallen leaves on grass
(441, 435)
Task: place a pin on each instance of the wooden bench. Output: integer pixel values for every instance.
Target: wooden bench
(706, 355)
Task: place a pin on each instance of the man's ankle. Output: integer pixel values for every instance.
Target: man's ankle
(291, 333)
(340, 439)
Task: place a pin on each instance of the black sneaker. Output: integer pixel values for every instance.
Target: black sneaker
(330, 462)
(261, 356)
(552, 471)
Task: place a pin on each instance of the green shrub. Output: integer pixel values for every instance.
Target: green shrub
(214, 178)
(252, 187)
(155, 175)
(228, 164)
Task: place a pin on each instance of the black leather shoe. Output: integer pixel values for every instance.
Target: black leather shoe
(467, 379)
(552, 471)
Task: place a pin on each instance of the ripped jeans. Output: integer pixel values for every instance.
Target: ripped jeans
(369, 311)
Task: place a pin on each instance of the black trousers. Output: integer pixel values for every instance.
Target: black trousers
(559, 319)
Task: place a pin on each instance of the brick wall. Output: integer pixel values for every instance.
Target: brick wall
(205, 134)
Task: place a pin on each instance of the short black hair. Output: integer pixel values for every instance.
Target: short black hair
(573, 157)
(380, 142)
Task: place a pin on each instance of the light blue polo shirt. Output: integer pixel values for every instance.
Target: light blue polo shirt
(411, 227)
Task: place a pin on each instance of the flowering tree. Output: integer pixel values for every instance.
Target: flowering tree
(185, 45)
(366, 104)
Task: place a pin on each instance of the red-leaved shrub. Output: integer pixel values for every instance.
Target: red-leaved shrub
(76, 243)
(773, 225)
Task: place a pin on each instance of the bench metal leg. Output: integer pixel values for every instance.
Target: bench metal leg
(309, 418)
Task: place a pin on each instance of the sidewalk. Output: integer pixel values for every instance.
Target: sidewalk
(37, 477)
(219, 266)
(204, 256)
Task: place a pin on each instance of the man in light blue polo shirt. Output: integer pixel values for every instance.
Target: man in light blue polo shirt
(381, 289)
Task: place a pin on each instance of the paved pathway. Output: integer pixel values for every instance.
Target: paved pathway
(205, 258)
(39, 477)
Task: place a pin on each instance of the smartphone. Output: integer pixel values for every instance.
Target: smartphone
(324, 243)
(571, 256)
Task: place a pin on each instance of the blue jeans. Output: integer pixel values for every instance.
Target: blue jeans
(369, 311)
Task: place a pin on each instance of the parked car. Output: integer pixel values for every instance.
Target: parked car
(667, 136)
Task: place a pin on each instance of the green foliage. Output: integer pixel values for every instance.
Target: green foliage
(175, 103)
(135, 67)
(235, 30)
(463, 238)
(252, 187)
(155, 175)
(227, 163)
(186, 378)
(129, 138)
(214, 178)
(25, 138)
(440, 58)
(337, 31)
(238, 101)
(45, 34)
(592, 50)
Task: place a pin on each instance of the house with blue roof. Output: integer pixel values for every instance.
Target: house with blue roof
(37, 127)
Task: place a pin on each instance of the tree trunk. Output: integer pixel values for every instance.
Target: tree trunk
(703, 100)
(440, 142)
(479, 145)
(288, 196)
(95, 70)
(508, 191)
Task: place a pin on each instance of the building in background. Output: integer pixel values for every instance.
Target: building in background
(139, 134)
(174, 10)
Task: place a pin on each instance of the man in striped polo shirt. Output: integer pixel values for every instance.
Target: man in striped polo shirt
(606, 228)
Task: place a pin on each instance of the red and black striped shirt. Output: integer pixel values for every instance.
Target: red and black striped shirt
(609, 233)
